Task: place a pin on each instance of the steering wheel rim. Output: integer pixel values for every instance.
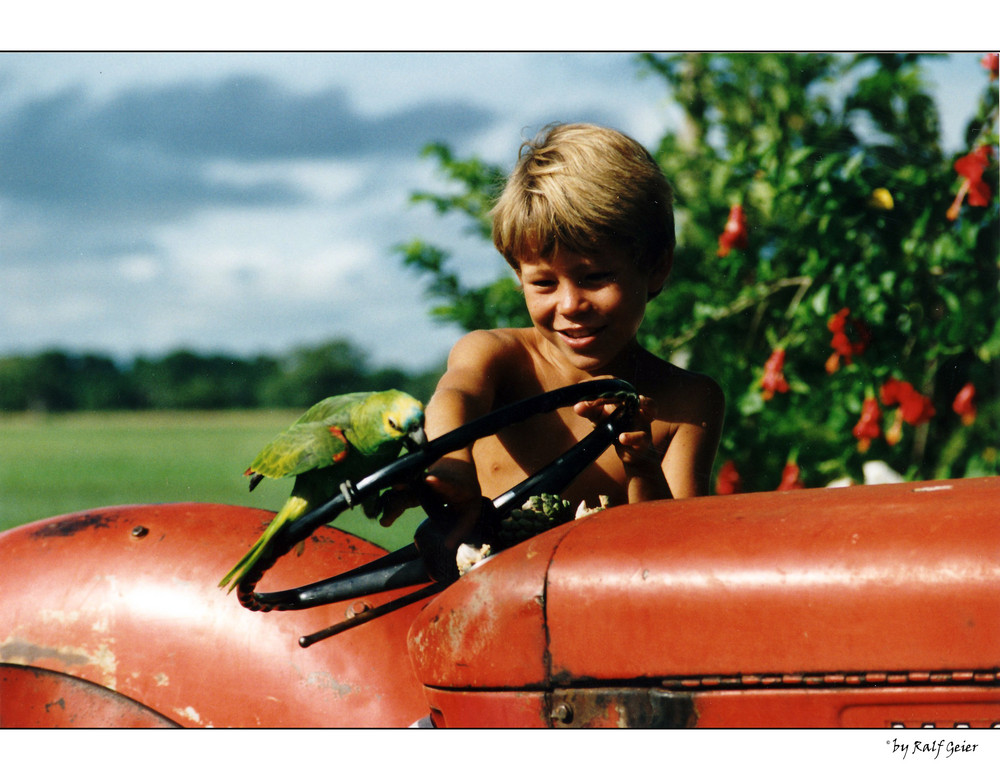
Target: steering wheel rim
(409, 565)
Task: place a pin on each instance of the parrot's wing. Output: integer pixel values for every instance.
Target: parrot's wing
(304, 446)
(333, 410)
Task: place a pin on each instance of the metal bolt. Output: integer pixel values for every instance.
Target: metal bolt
(139, 531)
(357, 608)
(562, 713)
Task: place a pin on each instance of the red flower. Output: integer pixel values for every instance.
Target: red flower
(971, 168)
(991, 62)
(894, 390)
(728, 480)
(963, 403)
(843, 327)
(774, 380)
(734, 235)
(914, 408)
(790, 477)
(867, 427)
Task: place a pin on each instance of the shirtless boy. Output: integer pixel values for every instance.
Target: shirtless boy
(586, 222)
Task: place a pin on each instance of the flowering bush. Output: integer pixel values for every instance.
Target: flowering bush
(774, 380)
(868, 253)
(846, 344)
(734, 234)
(971, 169)
(964, 405)
(860, 256)
(791, 477)
(728, 480)
(867, 428)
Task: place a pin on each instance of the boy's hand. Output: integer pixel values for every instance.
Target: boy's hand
(450, 488)
(393, 502)
(455, 491)
(635, 447)
(644, 475)
(450, 485)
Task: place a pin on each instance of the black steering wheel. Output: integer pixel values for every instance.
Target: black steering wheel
(426, 560)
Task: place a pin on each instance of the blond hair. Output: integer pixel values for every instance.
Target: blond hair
(584, 188)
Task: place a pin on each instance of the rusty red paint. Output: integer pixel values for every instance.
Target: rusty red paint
(848, 708)
(495, 709)
(489, 630)
(799, 581)
(146, 620)
(835, 595)
(71, 526)
(38, 698)
(861, 607)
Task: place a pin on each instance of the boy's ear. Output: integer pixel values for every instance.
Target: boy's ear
(659, 272)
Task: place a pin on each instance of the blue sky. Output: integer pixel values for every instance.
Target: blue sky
(249, 202)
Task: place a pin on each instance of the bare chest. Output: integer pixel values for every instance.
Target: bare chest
(521, 450)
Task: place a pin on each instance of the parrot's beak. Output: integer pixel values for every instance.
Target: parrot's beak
(416, 438)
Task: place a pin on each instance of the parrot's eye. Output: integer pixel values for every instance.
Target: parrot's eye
(394, 425)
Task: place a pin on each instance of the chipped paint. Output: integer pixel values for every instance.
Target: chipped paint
(72, 526)
(62, 617)
(90, 607)
(20, 651)
(328, 682)
(189, 713)
(61, 703)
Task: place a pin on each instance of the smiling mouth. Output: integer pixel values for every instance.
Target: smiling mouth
(578, 337)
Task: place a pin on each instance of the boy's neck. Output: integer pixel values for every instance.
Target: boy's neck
(625, 365)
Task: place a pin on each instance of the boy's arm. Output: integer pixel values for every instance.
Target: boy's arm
(465, 392)
(690, 455)
(684, 470)
(468, 387)
(645, 475)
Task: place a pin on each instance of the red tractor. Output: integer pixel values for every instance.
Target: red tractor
(867, 606)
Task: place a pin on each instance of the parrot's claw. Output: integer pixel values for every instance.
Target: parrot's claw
(349, 492)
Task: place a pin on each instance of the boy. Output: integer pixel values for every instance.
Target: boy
(586, 222)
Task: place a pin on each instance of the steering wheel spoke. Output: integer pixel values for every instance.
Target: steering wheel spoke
(429, 559)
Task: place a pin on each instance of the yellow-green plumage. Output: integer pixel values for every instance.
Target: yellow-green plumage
(344, 437)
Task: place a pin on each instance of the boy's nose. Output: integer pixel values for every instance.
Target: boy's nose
(571, 300)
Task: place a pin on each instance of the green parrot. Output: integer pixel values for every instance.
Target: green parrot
(344, 437)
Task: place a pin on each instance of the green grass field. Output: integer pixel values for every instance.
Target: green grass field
(54, 464)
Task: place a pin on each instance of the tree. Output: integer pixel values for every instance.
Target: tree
(57, 381)
(185, 380)
(498, 304)
(315, 372)
(836, 271)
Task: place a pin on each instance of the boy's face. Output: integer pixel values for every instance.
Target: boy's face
(587, 307)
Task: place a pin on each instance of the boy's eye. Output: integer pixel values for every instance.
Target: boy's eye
(542, 283)
(599, 277)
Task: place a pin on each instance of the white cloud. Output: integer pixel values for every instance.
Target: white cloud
(249, 252)
(139, 269)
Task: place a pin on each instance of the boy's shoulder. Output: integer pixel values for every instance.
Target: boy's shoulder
(498, 345)
(676, 386)
(509, 360)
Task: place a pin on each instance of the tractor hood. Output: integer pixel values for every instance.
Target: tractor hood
(114, 616)
(875, 581)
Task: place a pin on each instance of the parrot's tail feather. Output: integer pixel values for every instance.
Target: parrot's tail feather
(242, 566)
(294, 507)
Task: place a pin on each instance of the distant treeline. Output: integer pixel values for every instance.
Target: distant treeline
(59, 381)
